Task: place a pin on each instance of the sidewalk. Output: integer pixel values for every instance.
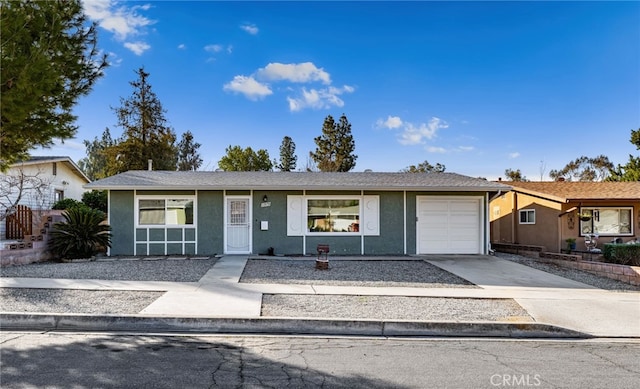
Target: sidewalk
(560, 307)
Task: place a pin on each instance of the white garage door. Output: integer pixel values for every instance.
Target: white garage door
(449, 225)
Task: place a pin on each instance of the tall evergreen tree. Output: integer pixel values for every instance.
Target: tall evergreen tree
(425, 167)
(631, 170)
(335, 147)
(94, 165)
(146, 133)
(238, 159)
(288, 156)
(188, 155)
(515, 175)
(49, 59)
(585, 169)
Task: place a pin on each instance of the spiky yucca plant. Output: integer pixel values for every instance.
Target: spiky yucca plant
(81, 235)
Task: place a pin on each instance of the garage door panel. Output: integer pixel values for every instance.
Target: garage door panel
(449, 226)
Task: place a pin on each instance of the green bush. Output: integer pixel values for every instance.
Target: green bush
(66, 204)
(622, 254)
(82, 234)
(96, 199)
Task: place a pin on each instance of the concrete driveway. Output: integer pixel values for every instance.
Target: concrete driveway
(549, 298)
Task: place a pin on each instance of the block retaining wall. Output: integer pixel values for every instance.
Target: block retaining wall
(624, 273)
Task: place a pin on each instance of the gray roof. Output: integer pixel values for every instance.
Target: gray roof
(170, 180)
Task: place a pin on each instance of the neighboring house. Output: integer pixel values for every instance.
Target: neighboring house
(547, 213)
(207, 213)
(46, 179)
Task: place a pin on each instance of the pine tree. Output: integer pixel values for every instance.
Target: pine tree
(335, 147)
(288, 156)
(95, 164)
(238, 159)
(146, 134)
(188, 156)
(49, 59)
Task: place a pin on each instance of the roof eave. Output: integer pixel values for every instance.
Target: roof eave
(291, 187)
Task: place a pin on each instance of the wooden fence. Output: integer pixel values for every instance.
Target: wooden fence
(20, 223)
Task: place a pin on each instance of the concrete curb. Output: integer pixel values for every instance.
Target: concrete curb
(291, 326)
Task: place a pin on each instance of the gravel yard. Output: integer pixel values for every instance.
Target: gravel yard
(410, 273)
(393, 308)
(179, 270)
(100, 302)
(399, 273)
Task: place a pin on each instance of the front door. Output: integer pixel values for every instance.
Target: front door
(238, 222)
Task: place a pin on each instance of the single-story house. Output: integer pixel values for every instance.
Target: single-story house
(44, 180)
(290, 213)
(548, 213)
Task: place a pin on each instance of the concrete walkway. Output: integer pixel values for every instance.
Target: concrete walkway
(549, 299)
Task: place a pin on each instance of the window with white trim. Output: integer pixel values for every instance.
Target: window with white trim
(165, 211)
(527, 216)
(607, 221)
(333, 215)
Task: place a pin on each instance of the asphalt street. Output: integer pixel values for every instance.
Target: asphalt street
(98, 360)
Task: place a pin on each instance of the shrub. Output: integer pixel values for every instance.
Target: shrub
(622, 254)
(96, 199)
(66, 204)
(81, 235)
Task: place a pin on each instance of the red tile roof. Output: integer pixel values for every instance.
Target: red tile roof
(578, 190)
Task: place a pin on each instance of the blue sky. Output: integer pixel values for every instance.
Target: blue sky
(477, 86)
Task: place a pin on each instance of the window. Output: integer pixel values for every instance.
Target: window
(528, 216)
(58, 195)
(332, 215)
(54, 169)
(607, 221)
(165, 211)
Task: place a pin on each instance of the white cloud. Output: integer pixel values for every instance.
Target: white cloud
(182, 46)
(213, 48)
(392, 122)
(256, 86)
(514, 155)
(318, 98)
(138, 48)
(123, 21)
(433, 149)
(466, 148)
(412, 135)
(114, 59)
(249, 87)
(250, 28)
(298, 73)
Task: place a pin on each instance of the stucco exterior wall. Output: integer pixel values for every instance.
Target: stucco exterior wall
(553, 225)
(396, 236)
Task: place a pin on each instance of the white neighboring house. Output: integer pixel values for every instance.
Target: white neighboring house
(57, 177)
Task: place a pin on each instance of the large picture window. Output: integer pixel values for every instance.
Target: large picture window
(607, 221)
(333, 215)
(170, 211)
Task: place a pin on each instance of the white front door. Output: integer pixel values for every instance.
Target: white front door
(238, 226)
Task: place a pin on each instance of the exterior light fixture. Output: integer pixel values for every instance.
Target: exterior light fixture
(265, 199)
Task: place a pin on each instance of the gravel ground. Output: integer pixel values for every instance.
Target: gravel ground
(572, 274)
(179, 270)
(393, 308)
(342, 272)
(102, 302)
(412, 273)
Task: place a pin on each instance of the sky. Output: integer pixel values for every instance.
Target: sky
(479, 87)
